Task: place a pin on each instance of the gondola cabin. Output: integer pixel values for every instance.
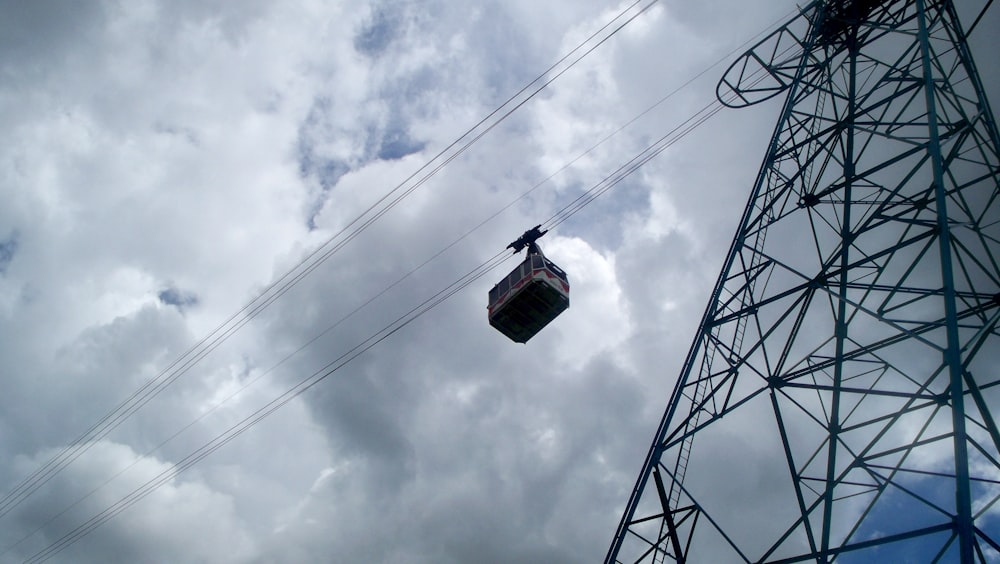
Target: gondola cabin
(530, 297)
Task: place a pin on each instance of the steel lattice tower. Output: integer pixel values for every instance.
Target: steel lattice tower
(836, 404)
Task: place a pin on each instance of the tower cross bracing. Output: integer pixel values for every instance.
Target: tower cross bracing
(837, 401)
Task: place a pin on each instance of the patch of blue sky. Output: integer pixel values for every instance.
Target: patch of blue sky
(897, 513)
(178, 298)
(391, 141)
(8, 248)
(396, 144)
(308, 159)
(326, 170)
(601, 221)
(375, 37)
(329, 172)
(920, 550)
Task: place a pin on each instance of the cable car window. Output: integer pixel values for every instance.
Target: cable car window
(504, 285)
(494, 295)
(557, 271)
(536, 262)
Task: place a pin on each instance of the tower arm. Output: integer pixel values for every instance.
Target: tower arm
(772, 65)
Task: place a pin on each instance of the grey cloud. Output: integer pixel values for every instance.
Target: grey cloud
(31, 32)
(446, 443)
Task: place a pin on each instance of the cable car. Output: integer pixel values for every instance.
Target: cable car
(532, 295)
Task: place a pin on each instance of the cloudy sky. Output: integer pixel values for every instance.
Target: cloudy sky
(164, 163)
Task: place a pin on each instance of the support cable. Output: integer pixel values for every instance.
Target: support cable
(650, 152)
(260, 414)
(313, 260)
(634, 164)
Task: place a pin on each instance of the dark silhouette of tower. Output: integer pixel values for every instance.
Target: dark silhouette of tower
(836, 404)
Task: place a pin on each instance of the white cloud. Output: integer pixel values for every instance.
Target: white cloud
(603, 324)
(202, 149)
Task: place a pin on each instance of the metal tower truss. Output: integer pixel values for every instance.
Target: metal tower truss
(837, 402)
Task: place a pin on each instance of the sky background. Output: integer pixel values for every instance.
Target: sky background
(164, 162)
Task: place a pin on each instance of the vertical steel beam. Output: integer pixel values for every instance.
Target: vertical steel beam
(952, 354)
(841, 326)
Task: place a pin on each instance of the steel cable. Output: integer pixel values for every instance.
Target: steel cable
(260, 414)
(313, 260)
(582, 201)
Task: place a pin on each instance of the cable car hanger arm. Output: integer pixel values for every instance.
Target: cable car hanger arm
(528, 240)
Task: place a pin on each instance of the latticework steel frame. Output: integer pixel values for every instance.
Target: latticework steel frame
(836, 404)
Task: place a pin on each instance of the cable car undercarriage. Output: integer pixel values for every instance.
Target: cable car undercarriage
(532, 295)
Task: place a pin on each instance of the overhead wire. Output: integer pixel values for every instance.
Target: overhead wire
(633, 164)
(255, 379)
(649, 153)
(399, 323)
(313, 260)
(251, 420)
(585, 199)
(570, 210)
